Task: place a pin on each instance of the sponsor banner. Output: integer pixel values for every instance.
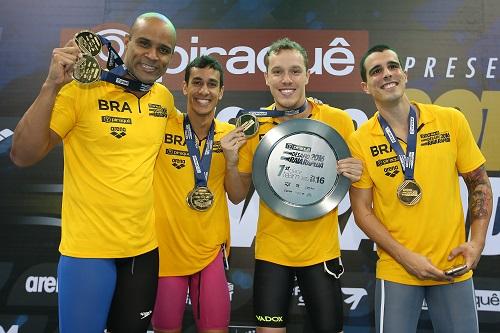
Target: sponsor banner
(22, 323)
(451, 56)
(488, 300)
(37, 286)
(333, 54)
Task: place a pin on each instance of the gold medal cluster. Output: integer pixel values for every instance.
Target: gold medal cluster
(87, 69)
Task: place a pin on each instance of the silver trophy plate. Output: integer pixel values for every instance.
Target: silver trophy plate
(295, 169)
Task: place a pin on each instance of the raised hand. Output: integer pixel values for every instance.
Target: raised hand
(231, 144)
(62, 64)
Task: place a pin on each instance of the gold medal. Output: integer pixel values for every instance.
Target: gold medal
(200, 198)
(88, 42)
(409, 193)
(87, 70)
(250, 124)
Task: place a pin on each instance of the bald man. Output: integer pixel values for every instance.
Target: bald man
(111, 131)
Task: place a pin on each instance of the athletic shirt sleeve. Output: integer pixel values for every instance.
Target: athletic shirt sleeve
(356, 150)
(469, 156)
(65, 110)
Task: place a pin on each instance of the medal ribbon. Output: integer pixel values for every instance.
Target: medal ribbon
(201, 164)
(273, 113)
(407, 160)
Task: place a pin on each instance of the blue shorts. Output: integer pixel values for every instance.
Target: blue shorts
(117, 294)
(452, 307)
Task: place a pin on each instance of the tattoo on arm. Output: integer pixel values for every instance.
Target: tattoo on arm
(480, 197)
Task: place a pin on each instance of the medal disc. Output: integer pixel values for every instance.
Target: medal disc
(250, 124)
(409, 193)
(200, 198)
(87, 70)
(88, 42)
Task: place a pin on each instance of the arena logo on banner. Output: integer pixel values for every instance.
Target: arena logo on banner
(37, 286)
(41, 284)
(333, 54)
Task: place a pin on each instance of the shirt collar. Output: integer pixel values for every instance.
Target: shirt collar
(426, 115)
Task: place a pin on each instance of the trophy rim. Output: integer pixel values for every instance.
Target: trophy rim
(294, 211)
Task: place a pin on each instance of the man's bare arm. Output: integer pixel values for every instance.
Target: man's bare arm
(33, 138)
(480, 208)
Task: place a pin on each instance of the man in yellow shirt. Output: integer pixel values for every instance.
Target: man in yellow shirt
(111, 132)
(408, 202)
(192, 176)
(284, 248)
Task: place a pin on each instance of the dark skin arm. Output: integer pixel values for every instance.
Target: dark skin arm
(33, 138)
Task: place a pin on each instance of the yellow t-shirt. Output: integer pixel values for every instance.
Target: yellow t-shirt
(111, 139)
(435, 225)
(281, 240)
(188, 240)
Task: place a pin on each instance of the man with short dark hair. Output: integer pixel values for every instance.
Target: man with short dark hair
(108, 269)
(414, 212)
(192, 177)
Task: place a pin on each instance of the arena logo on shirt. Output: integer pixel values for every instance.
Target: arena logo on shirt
(178, 163)
(391, 171)
(333, 54)
(118, 132)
